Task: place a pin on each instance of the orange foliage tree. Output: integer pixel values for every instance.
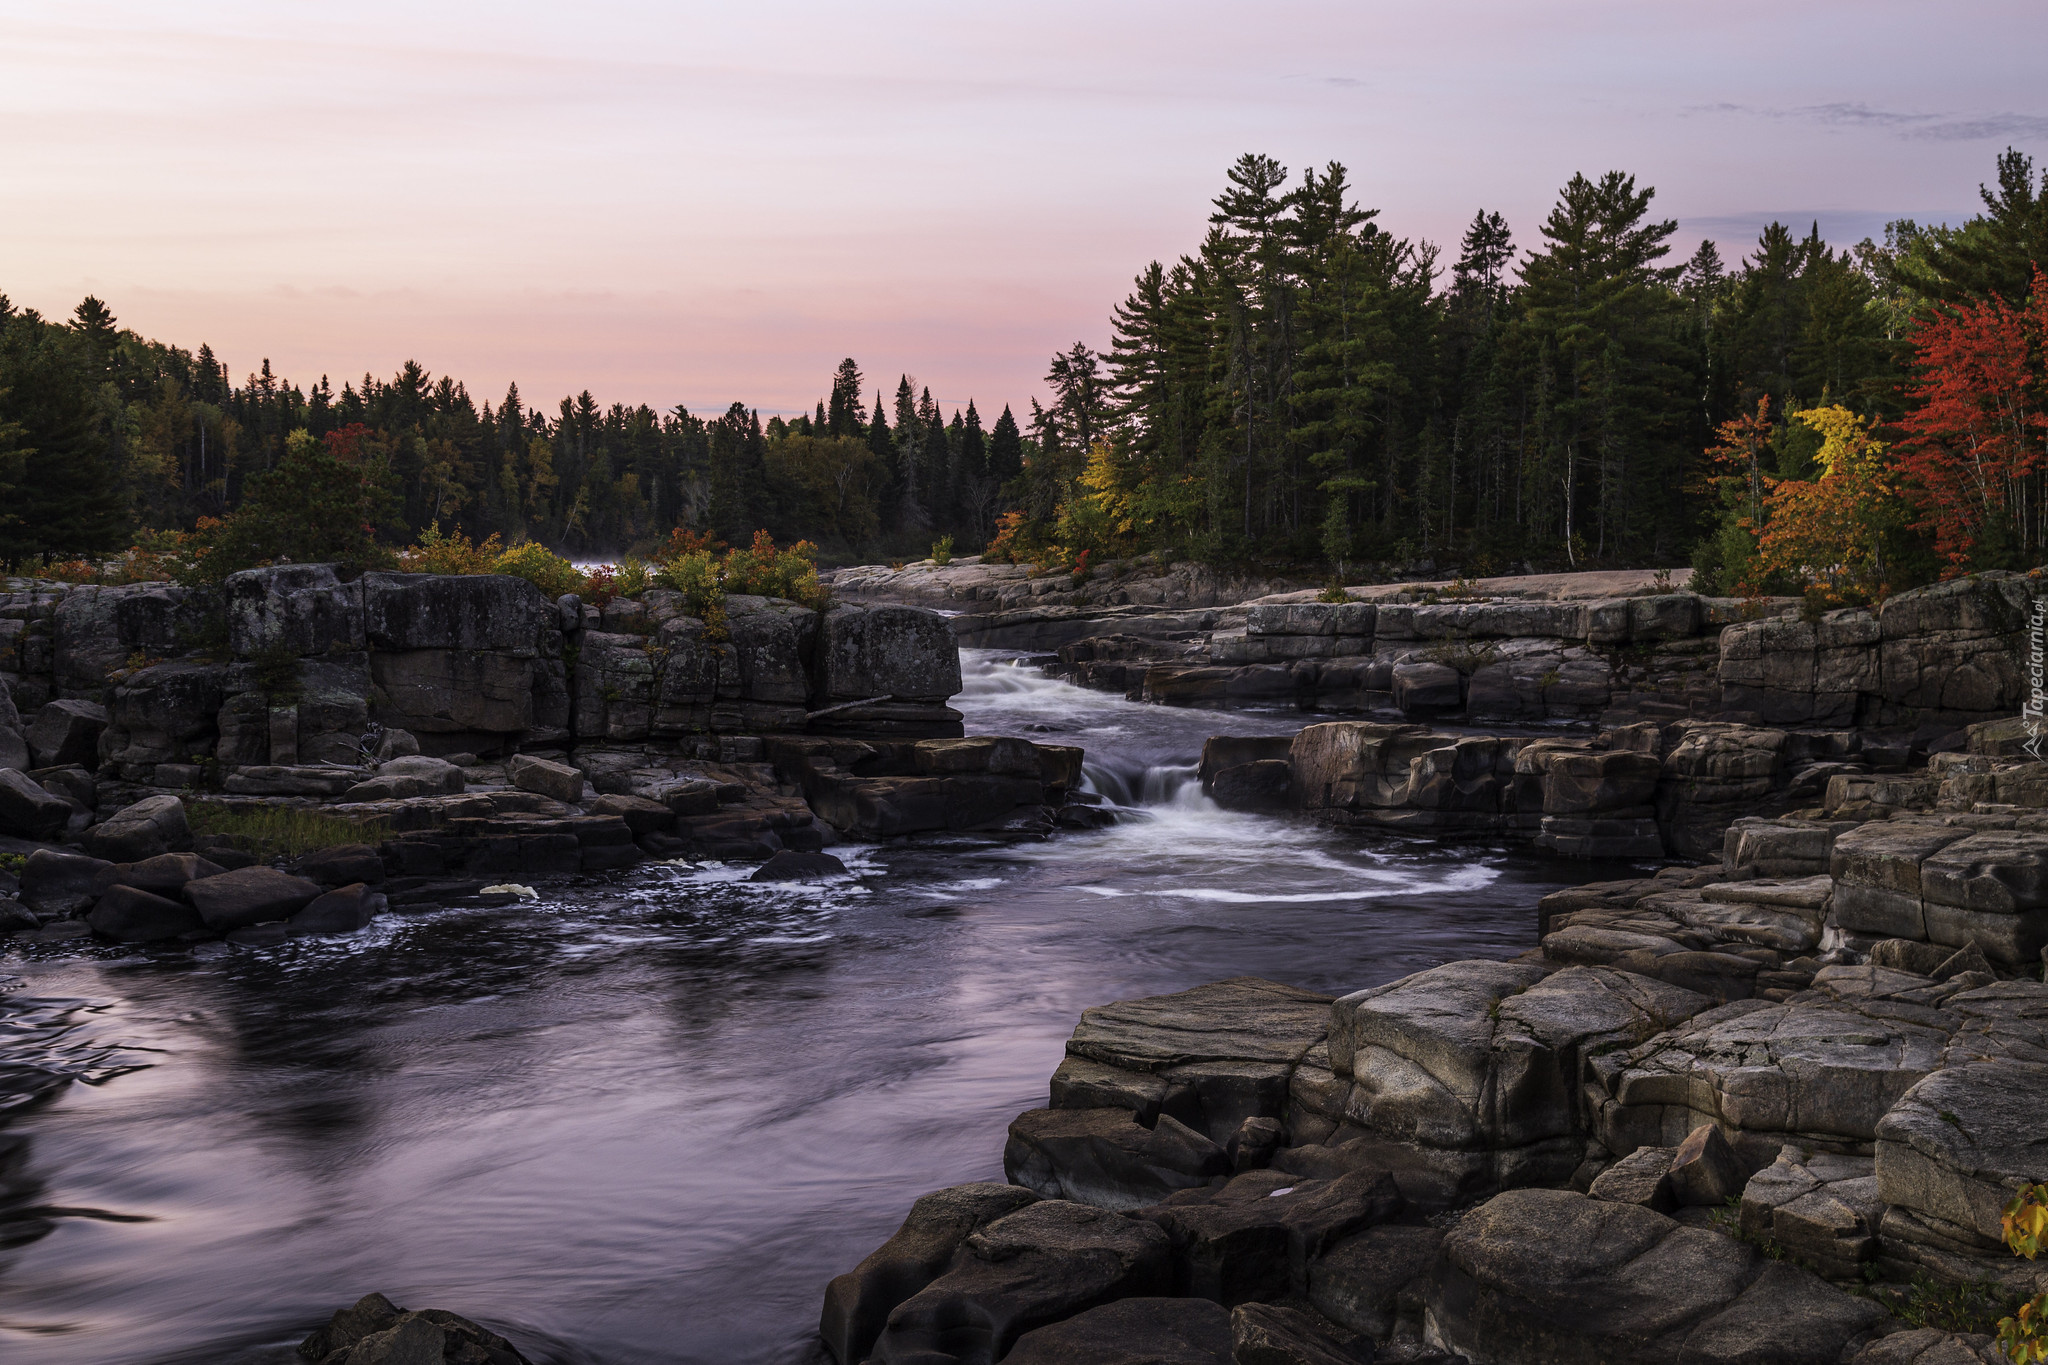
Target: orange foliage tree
(1976, 438)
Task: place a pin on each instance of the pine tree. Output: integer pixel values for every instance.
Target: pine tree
(843, 416)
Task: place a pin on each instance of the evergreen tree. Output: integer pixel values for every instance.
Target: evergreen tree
(842, 417)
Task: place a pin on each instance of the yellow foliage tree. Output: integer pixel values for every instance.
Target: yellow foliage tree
(1830, 531)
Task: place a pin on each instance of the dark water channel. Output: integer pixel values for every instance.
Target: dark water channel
(646, 1118)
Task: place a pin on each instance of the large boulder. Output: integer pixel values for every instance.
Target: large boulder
(340, 911)
(858, 1303)
(1955, 1149)
(1257, 1236)
(1133, 1332)
(1045, 1262)
(1952, 651)
(61, 885)
(248, 896)
(1815, 1071)
(67, 732)
(165, 874)
(450, 691)
(1221, 1053)
(14, 749)
(1534, 1277)
(1715, 773)
(905, 653)
(128, 915)
(399, 779)
(1822, 1208)
(1876, 869)
(557, 781)
(153, 825)
(375, 1331)
(1990, 892)
(772, 641)
(95, 631)
(1104, 1157)
(470, 612)
(293, 609)
(27, 811)
(1477, 1065)
(163, 714)
(1360, 1281)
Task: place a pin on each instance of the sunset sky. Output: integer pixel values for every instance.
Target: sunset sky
(680, 203)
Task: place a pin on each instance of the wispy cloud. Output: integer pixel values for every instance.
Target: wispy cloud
(1908, 124)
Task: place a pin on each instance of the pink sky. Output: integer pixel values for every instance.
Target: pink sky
(696, 204)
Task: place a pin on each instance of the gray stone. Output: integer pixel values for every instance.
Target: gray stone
(1959, 1144)
(1103, 1157)
(1039, 1265)
(163, 875)
(1766, 1073)
(1478, 1063)
(164, 714)
(1359, 1282)
(66, 733)
(27, 811)
(451, 691)
(153, 825)
(1931, 1346)
(1255, 1237)
(402, 778)
(558, 781)
(1643, 1177)
(1427, 687)
(642, 816)
(14, 751)
(858, 1303)
(96, 630)
(470, 613)
(342, 864)
(290, 780)
(128, 915)
(57, 885)
(1705, 1172)
(292, 609)
(395, 743)
(340, 911)
(1274, 1334)
(902, 652)
(1534, 1277)
(249, 896)
(1821, 1209)
(788, 865)
(1139, 1331)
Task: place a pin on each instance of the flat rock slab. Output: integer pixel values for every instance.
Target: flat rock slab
(1958, 1145)
(1243, 1019)
(1766, 1073)
(1539, 1276)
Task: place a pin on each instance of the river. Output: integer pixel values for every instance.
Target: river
(647, 1117)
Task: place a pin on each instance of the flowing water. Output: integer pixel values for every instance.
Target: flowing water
(647, 1117)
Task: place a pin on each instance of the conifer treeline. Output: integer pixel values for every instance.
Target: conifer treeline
(103, 432)
(1307, 386)
(1304, 386)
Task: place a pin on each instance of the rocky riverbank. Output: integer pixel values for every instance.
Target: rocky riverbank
(474, 735)
(1759, 1106)
(1710, 1118)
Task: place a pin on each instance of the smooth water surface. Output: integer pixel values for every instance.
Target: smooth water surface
(646, 1118)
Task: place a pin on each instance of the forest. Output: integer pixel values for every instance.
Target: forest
(1302, 389)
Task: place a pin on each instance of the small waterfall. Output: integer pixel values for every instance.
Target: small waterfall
(1145, 784)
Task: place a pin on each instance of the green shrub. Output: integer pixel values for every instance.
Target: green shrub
(942, 551)
(542, 567)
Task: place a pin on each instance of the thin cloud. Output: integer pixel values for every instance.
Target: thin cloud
(1906, 124)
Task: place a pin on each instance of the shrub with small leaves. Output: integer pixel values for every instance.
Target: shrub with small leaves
(2024, 1335)
(540, 566)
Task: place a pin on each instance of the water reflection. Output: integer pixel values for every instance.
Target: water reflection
(647, 1117)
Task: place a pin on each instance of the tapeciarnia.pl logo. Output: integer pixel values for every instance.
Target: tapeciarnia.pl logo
(2035, 711)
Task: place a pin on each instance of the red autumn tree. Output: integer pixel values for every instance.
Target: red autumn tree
(1976, 437)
